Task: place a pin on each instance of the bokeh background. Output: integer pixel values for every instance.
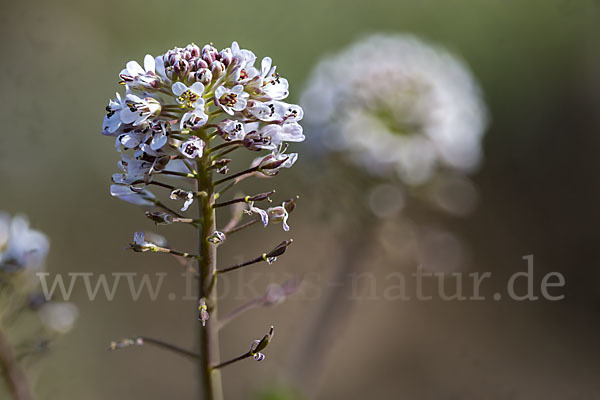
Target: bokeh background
(538, 63)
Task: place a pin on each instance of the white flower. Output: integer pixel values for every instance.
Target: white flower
(59, 317)
(231, 130)
(192, 148)
(279, 214)
(136, 77)
(264, 217)
(165, 102)
(272, 84)
(245, 57)
(194, 119)
(180, 194)
(243, 62)
(112, 119)
(131, 139)
(20, 246)
(136, 168)
(272, 136)
(190, 97)
(276, 111)
(396, 103)
(137, 197)
(231, 100)
(288, 132)
(136, 110)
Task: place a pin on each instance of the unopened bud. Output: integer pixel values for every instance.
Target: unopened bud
(217, 69)
(193, 49)
(209, 54)
(182, 67)
(204, 76)
(226, 56)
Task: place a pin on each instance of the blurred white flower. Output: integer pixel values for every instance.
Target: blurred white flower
(439, 250)
(385, 200)
(59, 317)
(137, 197)
(147, 241)
(20, 246)
(396, 103)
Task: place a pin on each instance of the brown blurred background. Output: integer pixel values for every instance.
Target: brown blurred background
(538, 63)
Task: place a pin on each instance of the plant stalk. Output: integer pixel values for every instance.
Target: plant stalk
(207, 264)
(15, 377)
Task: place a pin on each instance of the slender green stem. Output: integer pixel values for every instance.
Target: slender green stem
(240, 227)
(237, 175)
(176, 173)
(239, 358)
(227, 151)
(169, 346)
(207, 265)
(226, 144)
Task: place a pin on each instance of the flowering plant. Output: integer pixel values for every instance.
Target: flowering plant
(23, 253)
(181, 114)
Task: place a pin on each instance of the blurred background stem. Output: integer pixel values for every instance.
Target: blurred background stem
(311, 359)
(13, 374)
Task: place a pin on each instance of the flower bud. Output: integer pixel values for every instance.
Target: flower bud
(209, 54)
(173, 59)
(194, 50)
(182, 67)
(204, 76)
(217, 69)
(199, 64)
(226, 56)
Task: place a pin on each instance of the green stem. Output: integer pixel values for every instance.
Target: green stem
(207, 265)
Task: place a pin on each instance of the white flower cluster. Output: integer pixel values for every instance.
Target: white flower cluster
(174, 101)
(21, 248)
(23, 252)
(395, 103)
